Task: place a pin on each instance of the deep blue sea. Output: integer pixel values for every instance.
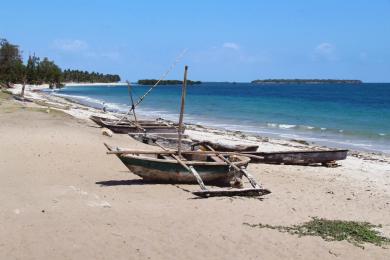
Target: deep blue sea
(345, 116)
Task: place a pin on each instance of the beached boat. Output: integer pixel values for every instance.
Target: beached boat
(179, 167)
(126, 126)
(306, 157)
(171, 140)
(161, 167)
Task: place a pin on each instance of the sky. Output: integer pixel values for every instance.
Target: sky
(226, 40)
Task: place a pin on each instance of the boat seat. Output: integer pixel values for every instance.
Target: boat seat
(216, 158)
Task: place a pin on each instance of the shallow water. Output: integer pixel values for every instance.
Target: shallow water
(346, 116)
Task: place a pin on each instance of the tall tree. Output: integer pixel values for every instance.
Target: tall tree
(12, 69)
(50, 72)
(32, 69)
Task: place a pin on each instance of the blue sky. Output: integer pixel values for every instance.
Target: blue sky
(226, 40)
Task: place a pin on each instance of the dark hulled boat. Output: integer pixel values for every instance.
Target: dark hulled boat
(126, 126)
(300, 157)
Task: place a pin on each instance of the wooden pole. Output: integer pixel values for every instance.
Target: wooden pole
(183, 99)
(191, 169)
(23, 87)
(252, 180)
(131, 99)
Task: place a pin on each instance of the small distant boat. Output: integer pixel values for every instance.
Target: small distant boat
(306, 157)
(126, 126)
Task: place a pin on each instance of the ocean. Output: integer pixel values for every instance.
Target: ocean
(337, 115)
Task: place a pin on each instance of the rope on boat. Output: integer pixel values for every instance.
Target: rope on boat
(181, 55)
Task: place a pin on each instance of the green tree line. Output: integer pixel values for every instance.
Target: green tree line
(37, 71)
(85, 76)
(306, 81)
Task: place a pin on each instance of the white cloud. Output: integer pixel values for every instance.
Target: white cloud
(231, 45)
(70, 45)
(325, 48)
(325, 51)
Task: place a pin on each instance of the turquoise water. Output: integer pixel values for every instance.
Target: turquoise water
(349, 116)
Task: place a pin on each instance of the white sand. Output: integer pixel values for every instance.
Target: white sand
(62, 197)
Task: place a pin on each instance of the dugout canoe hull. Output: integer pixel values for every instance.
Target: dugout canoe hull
(300, 157)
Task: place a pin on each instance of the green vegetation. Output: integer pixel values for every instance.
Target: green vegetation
(85, 76)
(306, 81)
(166, 82)
(4, 95)
(37, 71)
(40, 72)
(11, 64)
(356, 233)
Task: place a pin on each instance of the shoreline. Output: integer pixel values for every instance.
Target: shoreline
(196, 131)
(82, 84)
(340, 136)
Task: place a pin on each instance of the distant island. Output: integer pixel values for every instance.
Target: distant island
(166, 82)
(306, 81)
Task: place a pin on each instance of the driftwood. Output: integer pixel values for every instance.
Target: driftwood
(107, 132)
(249, 192)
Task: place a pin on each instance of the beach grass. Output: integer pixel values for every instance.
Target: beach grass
(5, 94)
(354, 232)
(10, 107)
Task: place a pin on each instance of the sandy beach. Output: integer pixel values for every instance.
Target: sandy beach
(63, 197)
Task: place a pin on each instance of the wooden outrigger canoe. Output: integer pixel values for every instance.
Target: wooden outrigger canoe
(305, 157)
(160, 167)
(171, 140)
(211, 167)
(127, 126)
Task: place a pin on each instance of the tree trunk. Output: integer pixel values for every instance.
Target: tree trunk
(23, 87)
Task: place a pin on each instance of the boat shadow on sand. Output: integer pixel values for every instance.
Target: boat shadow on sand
(140, 182)
(130, 182)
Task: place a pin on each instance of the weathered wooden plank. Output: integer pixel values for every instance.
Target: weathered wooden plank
(249, 192)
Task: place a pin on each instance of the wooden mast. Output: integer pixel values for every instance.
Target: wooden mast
(132, 101)
(183, 99)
